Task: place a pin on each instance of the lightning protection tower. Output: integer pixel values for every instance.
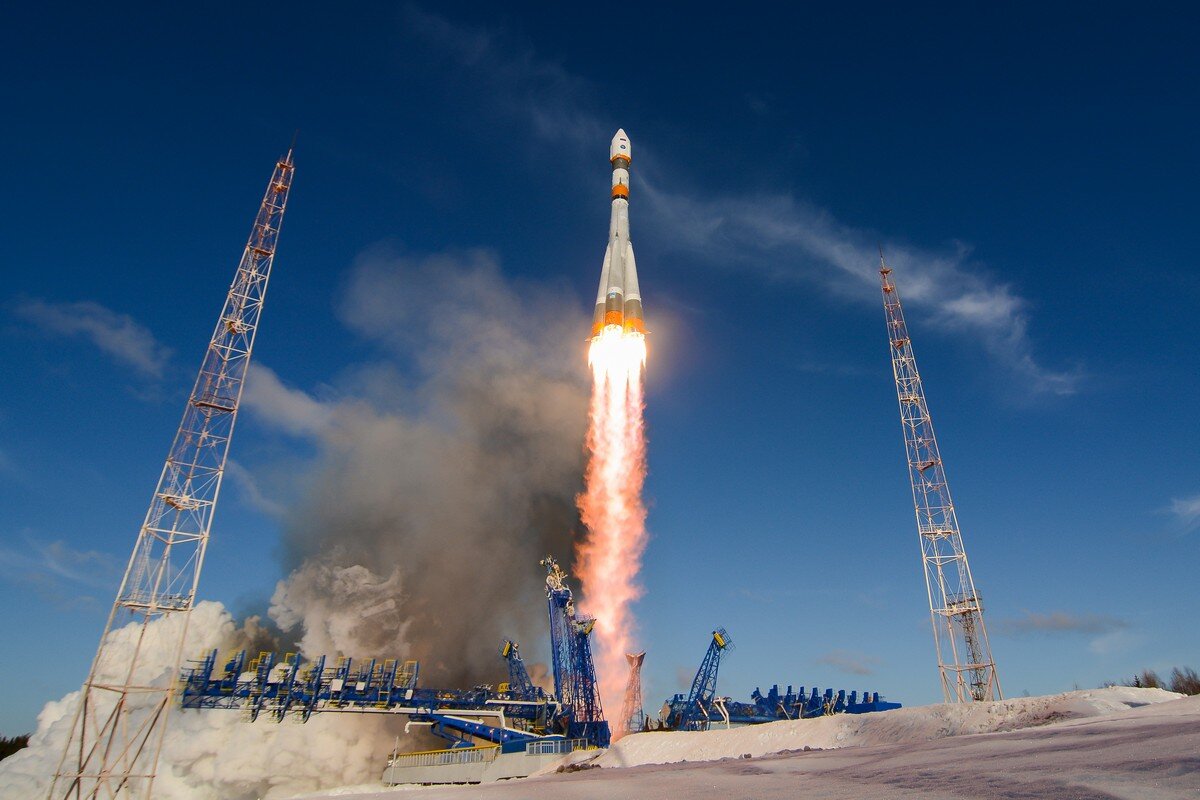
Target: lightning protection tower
(119, 725)
(633, 716)
(965, 662)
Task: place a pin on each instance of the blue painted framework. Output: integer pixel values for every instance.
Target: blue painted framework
(278, 687)
(571, 654)
(698, 709)
(691, 713)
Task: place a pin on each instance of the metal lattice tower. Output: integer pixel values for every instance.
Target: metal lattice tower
(571, 654)
(519, 682)
(119, 725)
(694, 712)
(965, 662)
(633, 716)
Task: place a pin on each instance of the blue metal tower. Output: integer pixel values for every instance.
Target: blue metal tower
(519, 685)
(692, 713)
(574, 672)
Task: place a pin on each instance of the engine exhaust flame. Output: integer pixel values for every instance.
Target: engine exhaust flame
(610, 556)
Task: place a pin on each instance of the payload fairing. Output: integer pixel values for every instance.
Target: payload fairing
(619, 302)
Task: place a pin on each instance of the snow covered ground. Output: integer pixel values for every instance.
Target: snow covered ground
(1135, 744)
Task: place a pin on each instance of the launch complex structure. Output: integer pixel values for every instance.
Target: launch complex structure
(119, 724)
(511, 715)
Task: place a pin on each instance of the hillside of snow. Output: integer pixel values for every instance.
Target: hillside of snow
(903, 725)
(1117, 743)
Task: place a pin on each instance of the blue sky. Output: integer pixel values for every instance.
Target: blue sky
(1029, 171)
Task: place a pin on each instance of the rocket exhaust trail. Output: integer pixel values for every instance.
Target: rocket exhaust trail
(609, 558)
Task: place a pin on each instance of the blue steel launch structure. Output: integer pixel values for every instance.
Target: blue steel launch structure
(519, 685)
(571, 651)
(693, 712)
(702, 707)
(512, 715)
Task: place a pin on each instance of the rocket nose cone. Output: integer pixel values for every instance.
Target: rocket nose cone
(620, 145)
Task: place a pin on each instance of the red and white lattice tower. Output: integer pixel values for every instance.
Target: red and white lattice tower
(121, 718)
(633, 717)
(965, 662)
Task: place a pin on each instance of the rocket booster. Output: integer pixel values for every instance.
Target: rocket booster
(619, 302)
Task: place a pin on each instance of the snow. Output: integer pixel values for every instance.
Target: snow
(1119, 742)
(909, 725)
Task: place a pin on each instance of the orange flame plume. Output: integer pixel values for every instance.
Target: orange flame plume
(610, 556)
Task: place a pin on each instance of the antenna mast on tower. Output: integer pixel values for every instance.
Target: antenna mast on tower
(965, 662)
(118, 727)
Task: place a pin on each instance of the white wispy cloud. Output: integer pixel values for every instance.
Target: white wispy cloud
(288, 409)
(1118, 641)
(117, 335)
(551, 101)
(59, 572)
(785, 240)
(777, 236)
(849, 662)
(250, 490)
(1061, 622)
(1186, 511)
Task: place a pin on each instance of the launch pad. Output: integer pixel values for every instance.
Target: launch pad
(514, 727)
(494, 732)
(485, 726)
(510, 715)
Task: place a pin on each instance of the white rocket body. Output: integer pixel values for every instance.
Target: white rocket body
(619, 301)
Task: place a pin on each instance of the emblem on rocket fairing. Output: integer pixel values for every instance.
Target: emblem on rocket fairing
(619, 302)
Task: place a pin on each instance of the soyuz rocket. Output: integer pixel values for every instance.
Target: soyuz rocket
(619, 303)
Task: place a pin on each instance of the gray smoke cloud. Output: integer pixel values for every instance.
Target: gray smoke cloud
(447, 468)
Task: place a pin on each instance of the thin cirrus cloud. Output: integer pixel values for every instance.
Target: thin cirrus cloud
(252, 493)
(1059, 622)
(1186, 511)
(777, 236)
(849, 662)
(117, 335)
(63, 574)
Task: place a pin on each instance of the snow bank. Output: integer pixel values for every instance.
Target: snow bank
(1089, 744)
(904, 725)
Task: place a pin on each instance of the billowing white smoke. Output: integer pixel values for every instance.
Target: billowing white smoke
(432, 501)
(436, 489)
(215, 755)
(341, 610)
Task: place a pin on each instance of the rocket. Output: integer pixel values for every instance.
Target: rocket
(619, 302)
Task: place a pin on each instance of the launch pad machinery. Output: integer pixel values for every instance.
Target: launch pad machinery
(511, 715)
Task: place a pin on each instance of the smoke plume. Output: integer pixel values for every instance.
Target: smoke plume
(447, 463)
(434, 499)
